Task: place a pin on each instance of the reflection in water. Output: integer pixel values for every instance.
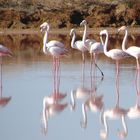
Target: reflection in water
(116, 112)
(93, 102)
(26, 49)
(134, 111)
(80, 92)
(51, 106)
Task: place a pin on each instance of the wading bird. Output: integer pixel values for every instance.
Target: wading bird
(115, 54)
(132, 50)
(54, 48)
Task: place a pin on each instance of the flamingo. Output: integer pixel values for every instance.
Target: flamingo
(92, 46)
(88, 42)
(54, 48)
(115, 54)
(132, 50)
(81, 45)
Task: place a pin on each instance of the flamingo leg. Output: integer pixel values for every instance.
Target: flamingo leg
(83, 57)
(138, 67)
(83, 73)
(54, 74)
(117, 82)
(58, 74)
(97, 65)
(91, 63)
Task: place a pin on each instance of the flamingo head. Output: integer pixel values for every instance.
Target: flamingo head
(103, 32)
(44, 27)
(72, 31)
(123, 28)
(84, 22)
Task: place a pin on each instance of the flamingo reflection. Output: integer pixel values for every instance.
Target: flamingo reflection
(4, 100)
(115, 113)
(94, 103)
(51, 107)
(80, 92)
(134, 111)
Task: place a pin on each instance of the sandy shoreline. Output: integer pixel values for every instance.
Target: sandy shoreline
(132, 30)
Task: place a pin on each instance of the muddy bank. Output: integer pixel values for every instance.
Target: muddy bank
(28, 14)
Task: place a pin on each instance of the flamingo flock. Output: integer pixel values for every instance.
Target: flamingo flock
(52, 104)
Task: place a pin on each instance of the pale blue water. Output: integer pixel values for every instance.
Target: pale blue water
(27, 78)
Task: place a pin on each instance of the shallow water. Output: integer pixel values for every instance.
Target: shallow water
(27, 79)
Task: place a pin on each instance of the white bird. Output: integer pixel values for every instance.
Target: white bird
(115, 54)
(93, 47)
(88, 42)
(54, 48)
(81, 45)
(132, 50)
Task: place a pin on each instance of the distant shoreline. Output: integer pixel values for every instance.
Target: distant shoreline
(111, 30)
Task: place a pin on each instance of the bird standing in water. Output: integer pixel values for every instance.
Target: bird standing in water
(54, 48)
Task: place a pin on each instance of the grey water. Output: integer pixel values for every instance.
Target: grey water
(27, 78)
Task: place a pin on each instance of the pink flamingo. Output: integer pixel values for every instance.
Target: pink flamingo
(92, 46)
(54, 48)
(4, 51)
(132, 50)
(115, 54)
(83, 44)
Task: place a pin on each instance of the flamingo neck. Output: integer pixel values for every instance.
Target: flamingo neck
(85, 33)
(105, 45)
(73, 40)
(45, 40)
(124, 40)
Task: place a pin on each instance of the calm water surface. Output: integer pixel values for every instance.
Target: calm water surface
(27, 79)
